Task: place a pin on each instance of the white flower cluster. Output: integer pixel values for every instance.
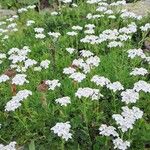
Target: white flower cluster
(30, 22)
(129, 96)
(21, 62)
(64, 101)
(127, 14)
(139, 71)
(52, 84)
(100, 80)
(66, 1)
(146, 27)
(63, 130)
(127, 118)
(70, 50)
(87, 92)
(10, 146)
(108, 130)
(132, 53)
(4, 78)
(120, 144)
(15, 102)
(19, 79)
(86, 63)
(39, 33)
(142, 86)
(55, 35)
(25, 9)
(115, 86)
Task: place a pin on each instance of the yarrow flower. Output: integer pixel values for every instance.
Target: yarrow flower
(14, 103)
(63, 130)
(70, 50)
(64, 101)
(87, 92)
(10, 146)
(127, 118)
(4, 78)
(142, 86)
(132, 53)
(139, 71)
(77, 76)
(52, 84)
(45, 64)
(129, 96)
(120, 144)
(100, 80)
(108, 130)
(19, 79)
(115, 86)
(69, 70)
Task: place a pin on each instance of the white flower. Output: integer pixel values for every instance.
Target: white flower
(3, 78)
(70, 50)
(30, 63)
(45, 64)
(129, 96)
(77, 76)
(77, 28)
(54, 13)
(86, 53)
(127, 118)
(93, 61)
(10, 146)
(120, 144)
(62, 130)
(19, 79)
(2, 56)
(146, 27)
(139, 71)
(132, 53)
(64, 101)
(87, 92)
(115, 44)
(108, 130)
(40, 36)
(52, 84)
(115, 86)
(69, 70)
(100, 80)
(54, 34)
(39, 30)
(66, 1)
(73, 33)
(30, 22)
(14, 103)
(142, 86)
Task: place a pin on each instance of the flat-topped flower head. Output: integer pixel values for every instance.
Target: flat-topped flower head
(69, 70)
(87, 92)
(100, 80)
(19, 79)
(77, 76)
(115, 86)
(120, 144)
(45, 64)
(129, 96)
(15, 102)
(62, 130)
(4, 78)
(108, 130)
(139, 71)
(142, 86)
(52, 84)
(64, 101)
(10, 146)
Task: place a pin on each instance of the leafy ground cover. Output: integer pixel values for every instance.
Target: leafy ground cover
(75, 78)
